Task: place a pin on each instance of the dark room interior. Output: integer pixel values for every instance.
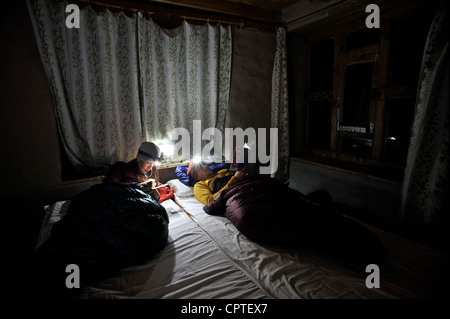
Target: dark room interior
(363, 123)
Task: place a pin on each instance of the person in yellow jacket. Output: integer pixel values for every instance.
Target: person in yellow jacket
(209, 183)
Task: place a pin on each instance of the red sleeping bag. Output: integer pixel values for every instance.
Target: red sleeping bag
(268, 211)
(165, 193)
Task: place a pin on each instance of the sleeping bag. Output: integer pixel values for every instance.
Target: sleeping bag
(106, 228)
(181, 172)
(267, 211)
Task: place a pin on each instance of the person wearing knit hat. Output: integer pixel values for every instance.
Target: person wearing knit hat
(138, 172)
(148, 152)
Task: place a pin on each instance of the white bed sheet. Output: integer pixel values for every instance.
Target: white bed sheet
(207, 257)
(412, 270)
(190, 266)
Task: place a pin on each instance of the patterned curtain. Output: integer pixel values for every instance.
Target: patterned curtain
(185, 77)
(117, 80)
(280, 108)
(425, 193)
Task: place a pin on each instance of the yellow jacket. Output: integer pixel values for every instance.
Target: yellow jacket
(203, 189)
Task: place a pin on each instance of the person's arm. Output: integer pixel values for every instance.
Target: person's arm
(204, 195)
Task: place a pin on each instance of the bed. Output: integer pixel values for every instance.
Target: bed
(206, 257)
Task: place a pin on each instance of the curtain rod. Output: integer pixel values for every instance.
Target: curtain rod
(317, 13)
(184, 17)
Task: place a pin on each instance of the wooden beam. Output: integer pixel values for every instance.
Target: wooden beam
(305, 18)
(169, 16)
(305, 8)
(228, 8)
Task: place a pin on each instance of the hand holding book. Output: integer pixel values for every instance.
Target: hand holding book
(150, 181)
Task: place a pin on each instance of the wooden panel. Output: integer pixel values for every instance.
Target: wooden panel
(166, 174)
(171, 13)
(337, 97)
(228, 8)
(275, 5)
(303, 9)
(380, 102)
(333, 14)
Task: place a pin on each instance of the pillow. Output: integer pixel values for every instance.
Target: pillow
(180, 189)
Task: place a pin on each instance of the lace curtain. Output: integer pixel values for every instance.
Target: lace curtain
(280, 108)
(119, 80)
(425, 193)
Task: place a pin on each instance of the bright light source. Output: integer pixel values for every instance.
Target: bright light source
(197, 159)
(166, 148)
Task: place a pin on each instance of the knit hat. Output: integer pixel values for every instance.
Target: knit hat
(148, 152)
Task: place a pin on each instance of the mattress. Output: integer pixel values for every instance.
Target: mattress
(207, 257)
